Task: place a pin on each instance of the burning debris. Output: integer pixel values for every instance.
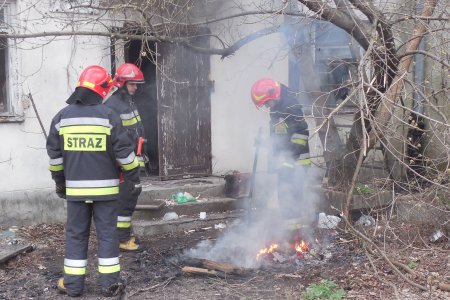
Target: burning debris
(278, 253)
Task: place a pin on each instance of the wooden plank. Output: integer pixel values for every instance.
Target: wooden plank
(11, 251)
(198, 271)
(213, 265)
(224, 267)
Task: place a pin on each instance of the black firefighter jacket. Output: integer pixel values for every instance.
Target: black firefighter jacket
(289, 133)
(122, 103)
(86, 143)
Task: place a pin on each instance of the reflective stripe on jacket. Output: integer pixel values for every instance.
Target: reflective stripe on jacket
(122, 104)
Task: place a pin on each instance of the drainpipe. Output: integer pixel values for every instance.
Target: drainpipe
(419, 71)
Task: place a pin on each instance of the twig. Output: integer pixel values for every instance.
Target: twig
(7, 279)
(163, 284)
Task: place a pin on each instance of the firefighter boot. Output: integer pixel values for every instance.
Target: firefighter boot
(130, 245)
(60, 286)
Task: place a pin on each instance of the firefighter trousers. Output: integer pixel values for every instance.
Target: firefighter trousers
(127, 204)
(79, 216)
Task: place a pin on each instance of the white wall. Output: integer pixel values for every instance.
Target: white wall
(49, 72)
(235, 119)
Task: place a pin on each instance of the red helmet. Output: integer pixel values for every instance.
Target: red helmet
(265, 89)
(128, 72)
(97, 79)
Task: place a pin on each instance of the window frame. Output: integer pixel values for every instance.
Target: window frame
(14, 108)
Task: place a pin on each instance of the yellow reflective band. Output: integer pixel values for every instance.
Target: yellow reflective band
(138, 118)
(56, 168)
(141, 164)
(74, 271)
(299, 141)
(108, 269)
(131, 165)
(92, 191)
(281, 128)
(287, 165)
(84, 142)
(88, 84)
(123, 224)
(306, 161)
(130, 122)
(85, 129)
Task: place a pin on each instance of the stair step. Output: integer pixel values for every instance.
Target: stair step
(211, 205)
(186, 223)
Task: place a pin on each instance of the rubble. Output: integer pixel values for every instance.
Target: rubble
(170, 216)
(327, 221)
(366, 220)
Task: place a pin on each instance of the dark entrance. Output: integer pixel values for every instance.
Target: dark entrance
(174, 104)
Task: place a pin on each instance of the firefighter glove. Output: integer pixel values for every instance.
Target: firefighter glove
(60, 190)
(136, 189)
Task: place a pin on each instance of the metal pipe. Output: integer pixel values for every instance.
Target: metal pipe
(419, 71)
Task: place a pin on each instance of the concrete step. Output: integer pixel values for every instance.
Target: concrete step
(184, 223)
(209, 205)
(162, 190)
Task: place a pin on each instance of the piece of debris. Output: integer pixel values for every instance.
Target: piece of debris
(214, 265)
(11, 251)
(436, 236)
(201, 271)
(181, 198)
(365, 220)
(278, 257)
(155, 205)
(219, 226)
(202, 215)
(170, 216)
(327, 221)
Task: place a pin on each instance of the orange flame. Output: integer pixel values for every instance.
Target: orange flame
(267, 250)
(301, 247)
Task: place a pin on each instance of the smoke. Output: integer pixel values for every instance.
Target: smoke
(243, 239)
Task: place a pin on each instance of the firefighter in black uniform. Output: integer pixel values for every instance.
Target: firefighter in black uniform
(85, 143)
(289, 141)
(127, 77)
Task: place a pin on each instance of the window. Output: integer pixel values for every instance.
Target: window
(334, 60)
(11, 109)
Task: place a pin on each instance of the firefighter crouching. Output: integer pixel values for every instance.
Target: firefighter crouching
(85, 143)
(290, 150)
(126, 79)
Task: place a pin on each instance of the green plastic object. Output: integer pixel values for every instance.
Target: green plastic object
(181, 198)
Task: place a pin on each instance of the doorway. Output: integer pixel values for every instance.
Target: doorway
(175, 108)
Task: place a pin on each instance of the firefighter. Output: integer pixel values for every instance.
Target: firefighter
(126, 79)
(289, 145)
(86, 142)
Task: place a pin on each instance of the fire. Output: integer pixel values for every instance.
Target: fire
(301, 247)
(267, 250)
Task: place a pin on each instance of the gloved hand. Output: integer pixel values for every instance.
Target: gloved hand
(136, 189)
(60, 190)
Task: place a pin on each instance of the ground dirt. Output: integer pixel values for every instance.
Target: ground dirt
(154, 274)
